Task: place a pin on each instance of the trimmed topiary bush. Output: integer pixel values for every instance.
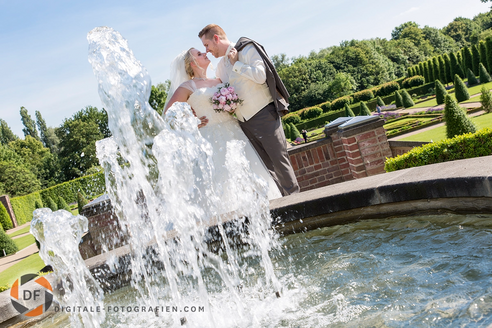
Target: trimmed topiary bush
(294, 133)
(291, 118)
(348, 111)
(326, 106)
(380, 102)
(486, 99)
(457, 122)
(407, 99)
(461, 91)
(340, 102)
(363, 95)
(38, 203)
(286, 132)
(52, 205)
(484, 75)
(440, 92)
(464, 146)
(364, 110)
(398, 100)
(312, 112)
(459, 71)
(81, 201)
(387, 89)
(62, 204)
(322, 120)
(7, 245)
(472, 79)
(5, 220)
(413, 81)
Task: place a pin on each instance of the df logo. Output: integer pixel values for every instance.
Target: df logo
(32, 300)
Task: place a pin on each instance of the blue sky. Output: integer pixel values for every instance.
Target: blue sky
(44, 47)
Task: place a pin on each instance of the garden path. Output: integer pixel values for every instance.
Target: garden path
(8, 261)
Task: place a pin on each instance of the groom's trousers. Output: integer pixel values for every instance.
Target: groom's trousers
(266, 134)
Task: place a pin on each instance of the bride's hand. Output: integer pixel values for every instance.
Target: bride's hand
(203, 121)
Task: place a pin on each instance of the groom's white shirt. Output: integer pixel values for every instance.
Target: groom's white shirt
(248, 77)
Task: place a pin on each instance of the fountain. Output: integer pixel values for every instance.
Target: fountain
(424, 270)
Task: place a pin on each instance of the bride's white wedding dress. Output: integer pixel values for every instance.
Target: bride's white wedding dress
(221, 128)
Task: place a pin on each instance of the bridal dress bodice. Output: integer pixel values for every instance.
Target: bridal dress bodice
(221, 128)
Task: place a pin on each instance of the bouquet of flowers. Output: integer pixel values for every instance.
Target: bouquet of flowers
(225, 99)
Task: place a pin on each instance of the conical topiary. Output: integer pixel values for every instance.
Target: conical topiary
(5, 220)
(348, 111)
(380, 101)
(486, 99)
(62, 204)
(407, 100)
(457, 122)
(484, 75)
(460, 89)
(472, 79)
(459, 71)
(38, 204)
(7, 245)
(398, 100)
(364, 110)
(294, 133)
(52, 205)
(440, 92)
(81, 201)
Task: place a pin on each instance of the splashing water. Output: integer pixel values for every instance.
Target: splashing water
(160, 179)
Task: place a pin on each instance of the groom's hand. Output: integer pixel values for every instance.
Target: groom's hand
(203, 121)
(233, 56)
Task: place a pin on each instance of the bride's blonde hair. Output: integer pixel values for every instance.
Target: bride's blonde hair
(188, 58)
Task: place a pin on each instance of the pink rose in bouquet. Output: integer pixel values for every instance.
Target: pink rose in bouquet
(225, 99)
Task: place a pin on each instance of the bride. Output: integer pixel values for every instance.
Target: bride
(189, 83)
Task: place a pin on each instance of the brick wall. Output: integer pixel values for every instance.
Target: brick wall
(402, 147)
(347, 153)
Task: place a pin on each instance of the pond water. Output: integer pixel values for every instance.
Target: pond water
(428, 271)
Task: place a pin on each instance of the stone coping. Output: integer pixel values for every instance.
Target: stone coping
(463, 186)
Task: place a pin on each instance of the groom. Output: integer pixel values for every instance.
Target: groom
(246, 66)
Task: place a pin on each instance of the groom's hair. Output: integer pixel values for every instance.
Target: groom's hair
(210, 30)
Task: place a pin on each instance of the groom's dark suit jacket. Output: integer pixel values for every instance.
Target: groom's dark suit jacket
(277, 89)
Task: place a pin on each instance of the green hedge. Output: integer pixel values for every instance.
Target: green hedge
(413, 81)
(460, 147)
(420, 90)
(91, 185)
(321, 120)
(363, 95)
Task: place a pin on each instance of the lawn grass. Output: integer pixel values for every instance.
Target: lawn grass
(439, 133)
(31, 264)
(23, 242)
(19, 232)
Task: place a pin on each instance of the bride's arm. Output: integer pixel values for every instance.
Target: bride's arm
(180, 95)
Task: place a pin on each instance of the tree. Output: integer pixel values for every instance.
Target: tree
(459, 71)
(468, 58)
(29, 125)
(280, 61)
(78, 146)
(398, 100)
(472, 79)
(158, 96)
(440, 42)
(484, 75)
(17, 179)
(488, 46)
(406, 99)
(440, 92)
(342, 85)
(396, 33)
(435, 65)
(461, 30)
(447, 67)
(443, 76)
(486, 99)
(483, 52)
(348, 111)
(432, 75)
(461, 91)
(6, 134)
(5, 220)
(475, 58)
(364, 110)
(81, 201)
(454, 62)
(43, 128)
(457, 122)
(7, 245)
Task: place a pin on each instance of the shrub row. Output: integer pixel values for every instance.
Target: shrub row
(413, 81)
(386, 89)
(321, 120)
(422, 89)
(363, 95)
(460, 147)
(90, 185)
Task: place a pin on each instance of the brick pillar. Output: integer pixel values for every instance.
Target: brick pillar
(6, 202)
(366, 146)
